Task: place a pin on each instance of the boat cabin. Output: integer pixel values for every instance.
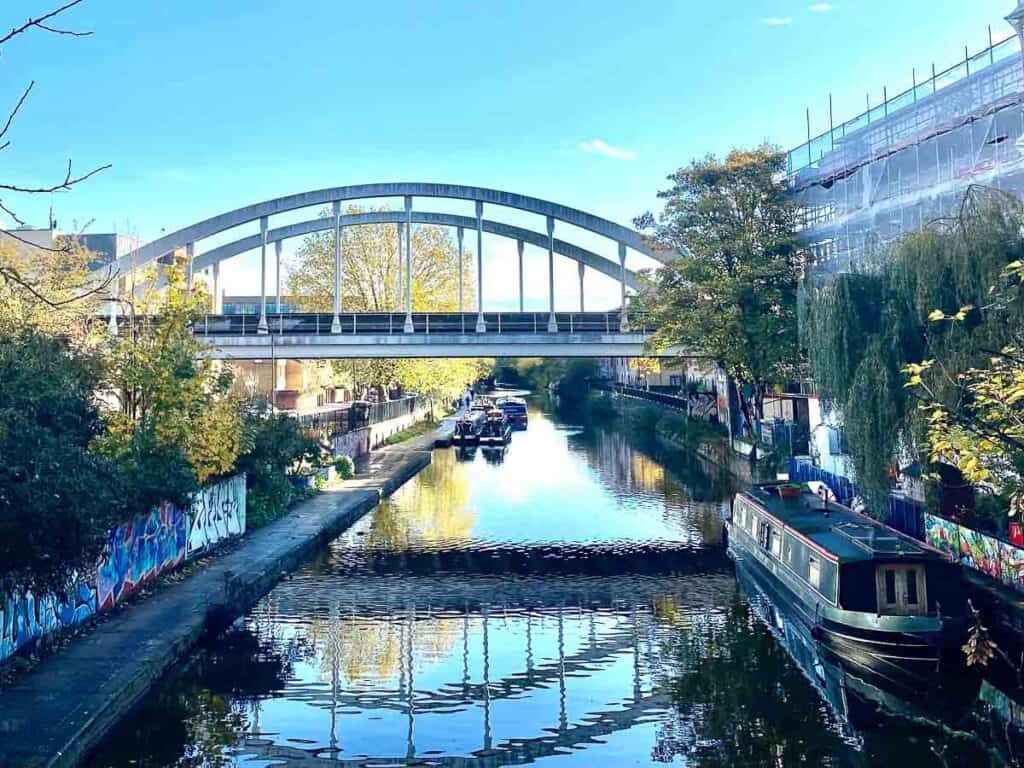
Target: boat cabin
(850, 560)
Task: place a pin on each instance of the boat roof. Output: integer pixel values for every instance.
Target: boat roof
(846, 535)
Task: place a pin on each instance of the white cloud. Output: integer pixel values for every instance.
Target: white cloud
(777, 21)
(600, 147)
(820, 7)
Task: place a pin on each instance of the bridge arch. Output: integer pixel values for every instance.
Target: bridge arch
(187, 237)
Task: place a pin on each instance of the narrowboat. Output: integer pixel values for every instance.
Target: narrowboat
(468, 428)
(515, 411)
(888, 606)
(496, 429)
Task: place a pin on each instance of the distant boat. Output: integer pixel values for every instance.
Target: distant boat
(514, 409)
(887, 605)
(468, 428)
(496, 429)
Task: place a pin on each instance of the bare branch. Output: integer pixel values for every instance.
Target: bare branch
(10, 274)
(66, 184)
(10, 117)
(39, 23)
(24, 241)
(12, 214)
(69, 32)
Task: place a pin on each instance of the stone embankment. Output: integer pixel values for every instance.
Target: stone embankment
(55, 714)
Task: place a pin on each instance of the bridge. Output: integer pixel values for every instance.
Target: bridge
(470, 332)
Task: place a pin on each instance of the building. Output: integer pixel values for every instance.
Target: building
(899, 165)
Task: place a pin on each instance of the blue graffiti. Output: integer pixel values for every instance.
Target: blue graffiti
(25, 618)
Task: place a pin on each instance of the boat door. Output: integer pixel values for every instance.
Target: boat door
(901, 590)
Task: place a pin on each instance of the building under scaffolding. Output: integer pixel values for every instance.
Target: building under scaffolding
(909, 160)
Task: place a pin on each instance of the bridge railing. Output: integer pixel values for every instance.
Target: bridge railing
(352, 323)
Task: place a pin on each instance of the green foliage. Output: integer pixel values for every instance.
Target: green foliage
(571, 375)
(57, 499)
(932, 298)
(345, 467)
(734, 301)
(175, 422)
(275, 445)
(416, 430)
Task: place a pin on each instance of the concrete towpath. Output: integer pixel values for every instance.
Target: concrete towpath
(56, 713)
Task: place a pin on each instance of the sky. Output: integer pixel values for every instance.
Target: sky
(202, 107)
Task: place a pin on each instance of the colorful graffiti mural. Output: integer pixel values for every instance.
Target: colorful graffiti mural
(24, 618)
(216, 513)
(139, 551)
(136, 553)
(994, 557)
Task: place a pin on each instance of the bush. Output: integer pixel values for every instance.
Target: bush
(345, 467)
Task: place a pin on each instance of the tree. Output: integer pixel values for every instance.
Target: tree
(173, 410)
(370, 283)
(734, 299)
(57, 498)
(13, 275)
(979, 426)
(926, 307)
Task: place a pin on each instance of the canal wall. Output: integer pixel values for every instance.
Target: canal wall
(137, 552)
(52, 716)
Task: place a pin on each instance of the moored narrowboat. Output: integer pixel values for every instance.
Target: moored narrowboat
(468, 428)
(514, 409)
(496, 429)
(887, 605)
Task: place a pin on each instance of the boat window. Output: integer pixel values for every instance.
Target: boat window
(765, 535)
(890, 586)
(753, 525)
(814, 572)
(776, 544)
(911, 587)
(901, 590)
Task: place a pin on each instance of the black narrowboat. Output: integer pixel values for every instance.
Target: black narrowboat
(468, 428)
(886, 605)
(496, 429)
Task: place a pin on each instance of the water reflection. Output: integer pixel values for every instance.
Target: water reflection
(570, 604)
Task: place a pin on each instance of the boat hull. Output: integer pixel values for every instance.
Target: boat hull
(907, 660)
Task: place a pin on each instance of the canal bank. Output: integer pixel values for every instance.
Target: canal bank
(52, 716)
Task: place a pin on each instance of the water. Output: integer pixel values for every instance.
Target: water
(565, 603)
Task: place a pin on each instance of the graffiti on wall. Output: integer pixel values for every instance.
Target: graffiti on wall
(24, 618)
(139, 551)
(216, 513)
(973, 549)
(353, 444)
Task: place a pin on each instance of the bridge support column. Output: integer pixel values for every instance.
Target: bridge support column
(401, 278)
(623, 320)
(552, 322)
(520, 244)
(278, 245)
(336, 320)
(115, 286)
(408, 265)
(218, 303)
(481, 326)
(263, 327)
(459, 235)
(582, 268)
(190, 253)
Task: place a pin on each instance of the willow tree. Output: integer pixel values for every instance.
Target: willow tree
(733, 299)
(373, 280)
(861, 332)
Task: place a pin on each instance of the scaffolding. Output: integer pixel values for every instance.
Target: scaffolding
(909, 160)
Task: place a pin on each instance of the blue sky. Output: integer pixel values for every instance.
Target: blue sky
(205, 106)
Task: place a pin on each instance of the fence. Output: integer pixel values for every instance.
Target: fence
(358, 414)
(994, 557)
(901, 514)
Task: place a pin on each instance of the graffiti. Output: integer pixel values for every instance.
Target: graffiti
(973, 549)
(24, 618)
(139, 551)
(216, 513)
(352, 444)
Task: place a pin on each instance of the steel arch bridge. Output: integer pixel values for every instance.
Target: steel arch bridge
(471, 332)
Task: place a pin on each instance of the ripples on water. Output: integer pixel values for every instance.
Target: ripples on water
(566, 601)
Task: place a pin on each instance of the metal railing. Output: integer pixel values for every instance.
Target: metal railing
(393, 323)
(809, 153)
(357, 414)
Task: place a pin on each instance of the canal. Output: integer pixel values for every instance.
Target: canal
(566, 602)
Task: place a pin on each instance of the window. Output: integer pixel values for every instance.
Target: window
(901, 590)
(814, 572)
(753, 525)
(764, 535)
(675, 381)
(911, 587)
(837, 441)
(776, 543)
(890, 586)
